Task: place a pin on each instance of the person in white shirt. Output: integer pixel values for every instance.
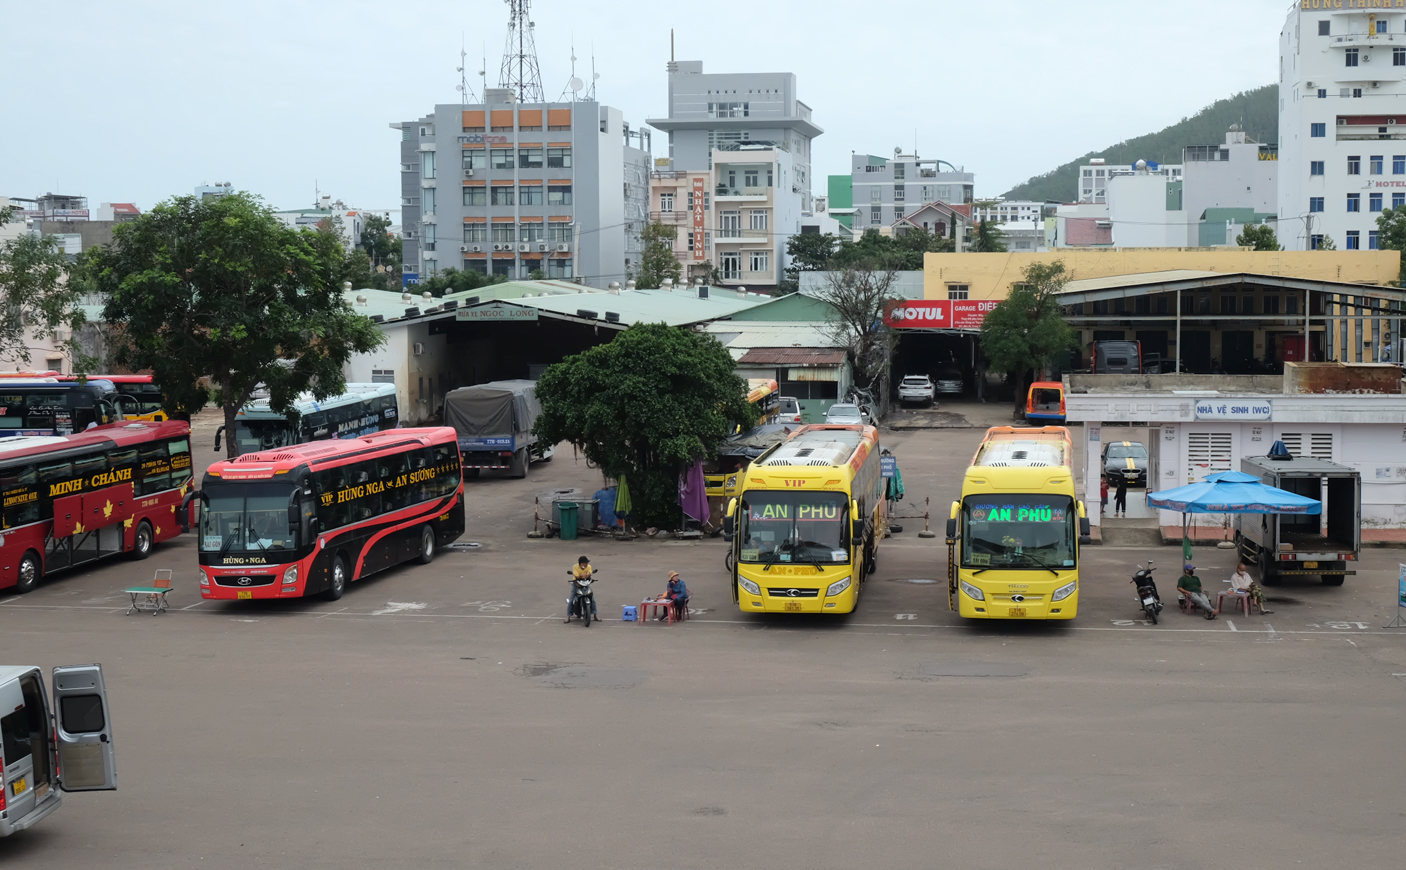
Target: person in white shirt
(1241, 582)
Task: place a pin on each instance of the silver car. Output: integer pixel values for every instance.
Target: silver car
(847, 415)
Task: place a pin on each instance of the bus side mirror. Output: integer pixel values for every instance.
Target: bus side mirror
(218, 432)
(729, 524)
(1085, 531)
(951, 530)
(185, 511)
(856, 530)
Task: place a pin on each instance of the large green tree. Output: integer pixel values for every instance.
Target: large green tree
(453, 280)
(990, 239)
(859, 298)
(222, 289)
(1391, 236)
(1258, 236)
(646, 405)
(37, 300)
(657, 260)
(1026, 330)
(807, 252)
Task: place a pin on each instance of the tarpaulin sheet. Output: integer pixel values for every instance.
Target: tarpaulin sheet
(495, 409)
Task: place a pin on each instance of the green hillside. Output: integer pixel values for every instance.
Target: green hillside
(1256, 111)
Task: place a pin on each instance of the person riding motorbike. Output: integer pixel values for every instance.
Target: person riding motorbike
(580, 571)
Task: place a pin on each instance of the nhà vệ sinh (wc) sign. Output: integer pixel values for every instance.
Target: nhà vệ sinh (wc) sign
(1234, 409)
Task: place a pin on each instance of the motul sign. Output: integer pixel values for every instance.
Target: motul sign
(935, 314)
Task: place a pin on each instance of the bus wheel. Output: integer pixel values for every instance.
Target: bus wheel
(142, 543)
(427, 547)
(30, 572)
(339, 580)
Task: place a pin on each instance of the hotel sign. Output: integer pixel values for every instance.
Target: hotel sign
(698, 192)
(496, 312)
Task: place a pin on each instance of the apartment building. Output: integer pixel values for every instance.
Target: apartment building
(1095, 175)
(1341, 69)
(1022, 222)
(883, 190)
(735, 217)
(514, 189)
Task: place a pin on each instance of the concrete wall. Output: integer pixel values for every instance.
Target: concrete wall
(1137, 206)
(991, 275)
(1334, 377)
(1228, 384)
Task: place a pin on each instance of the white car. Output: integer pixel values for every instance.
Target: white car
(846, 415)
(788, 409)
(916, 388)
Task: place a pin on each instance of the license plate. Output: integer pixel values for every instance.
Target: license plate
(1310, 564)
(791, 606)
(243, 594)
(1015, 611)
(1147, 602)
(19, 787)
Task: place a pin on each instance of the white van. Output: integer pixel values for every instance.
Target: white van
(43, 755)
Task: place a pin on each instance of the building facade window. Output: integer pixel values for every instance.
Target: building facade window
(1354, 240)
(427, 237)
(558, 158)
(1318, 131)
(732, 266)
(504, 233)
(1357, 93)
(427, 164)
(1398, 200)
(958, 291)
(1291, 304)
(1315, 242)
(1381, 27)
(758, 220)
(1373, 240)
(751, 178)
(876, 215)
(1315, 167)
(530, 194)
(1398, 57)
(427, 199)
(475, 196)
(1354, 165)
(900, 193)
(666, 202)
(1374, 164)
(1247, 303)
(760, 261)
(558, 194)
(559, 233)
(502, 196)
(731, 226)
(475, 158)
(1323, 28)
(1271, 304)
(1374, 202)
(502, 158)
(529, 158)
(533, 232)
(1315, 203)
(475, 233)
(1350, 57)
(559, 267)
(1354, 202)
(1322, 93)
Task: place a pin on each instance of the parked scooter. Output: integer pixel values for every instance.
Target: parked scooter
(582, 602)
(1147, 596)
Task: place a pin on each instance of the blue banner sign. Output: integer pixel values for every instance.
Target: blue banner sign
(888, 464)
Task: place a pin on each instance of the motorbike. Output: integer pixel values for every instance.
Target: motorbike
(582, 601)
(1147, 596)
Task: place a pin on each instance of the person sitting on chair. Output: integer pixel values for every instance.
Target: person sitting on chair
(677, 593)
(1190, 586)
(1241, 583)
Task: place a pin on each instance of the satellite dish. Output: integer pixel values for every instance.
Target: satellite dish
(459, 87)
(595, 76)
(897, 151)
(575, 84)
(1141, 164)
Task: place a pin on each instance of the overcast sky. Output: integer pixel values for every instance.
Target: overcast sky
(140, 100)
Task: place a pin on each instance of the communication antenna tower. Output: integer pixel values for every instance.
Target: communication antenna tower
(463, 87)
(520, 70)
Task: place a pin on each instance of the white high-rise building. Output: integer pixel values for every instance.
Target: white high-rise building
(1342, 121)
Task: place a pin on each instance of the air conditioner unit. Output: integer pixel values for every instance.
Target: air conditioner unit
(1342, 122)
(1376, 84)
(478, 248)
(1308, 85)
(1391, 121)
(524, 248)
(419, 348)
(464, 248)
(497, 247)
(563, 247)
(469, 173)
(541, 247)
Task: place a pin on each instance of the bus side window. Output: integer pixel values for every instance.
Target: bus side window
(122, 459)
(20, 486)
(11, 412)
(87, 466)
(179, 449)
(155, 468)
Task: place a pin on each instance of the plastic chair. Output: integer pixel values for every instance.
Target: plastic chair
(151, 597)
(1187, 605)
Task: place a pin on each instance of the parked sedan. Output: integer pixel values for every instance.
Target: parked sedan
(949, 381)
(1127, 459)
(847, 415)
(916, 388)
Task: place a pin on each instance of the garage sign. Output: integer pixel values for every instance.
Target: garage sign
(938, 314)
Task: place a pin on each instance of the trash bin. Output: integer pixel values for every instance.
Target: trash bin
(568, 519)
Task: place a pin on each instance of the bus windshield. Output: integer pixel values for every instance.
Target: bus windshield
(806, 527)
(245, 518)
(1020, 532)
(255, 435)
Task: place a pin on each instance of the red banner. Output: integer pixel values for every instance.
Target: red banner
(698, 188)
(938, 314)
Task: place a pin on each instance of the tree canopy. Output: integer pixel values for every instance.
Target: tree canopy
(1258, 236)
(453, 280)
(823, 252)
(1026, 330)
(222, 289)
(649, 403)
(37, 300)
(990, 239)
(1391, 236)
(657, 261)
(859, 298)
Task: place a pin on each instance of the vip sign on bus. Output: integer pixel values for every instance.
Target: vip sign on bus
(938, 314)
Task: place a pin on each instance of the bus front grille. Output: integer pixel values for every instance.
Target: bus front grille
(793, 593)
(244, 581)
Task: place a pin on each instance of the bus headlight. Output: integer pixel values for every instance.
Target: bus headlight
(749, 586)
(204, 578)
(972, 591)
(838, 586)
(1065, 591)
(731, 482)
(290, 576)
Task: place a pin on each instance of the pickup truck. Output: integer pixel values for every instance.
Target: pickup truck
(1285, 545)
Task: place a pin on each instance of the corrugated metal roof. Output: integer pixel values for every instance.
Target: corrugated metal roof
(1136, 280)
(740, 336)
(676, 307)
(793, 356)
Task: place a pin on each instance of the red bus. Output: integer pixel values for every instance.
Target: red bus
(310, 518)
(71, 499)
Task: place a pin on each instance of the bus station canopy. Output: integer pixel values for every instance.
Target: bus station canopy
(1233, 492)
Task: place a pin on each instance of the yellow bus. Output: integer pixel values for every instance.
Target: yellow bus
(1013, 540)
(807, 521)
(763, 392)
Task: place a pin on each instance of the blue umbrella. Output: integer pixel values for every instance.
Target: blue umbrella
(1233, 492)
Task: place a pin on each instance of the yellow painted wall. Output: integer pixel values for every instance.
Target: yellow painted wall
(990, 275)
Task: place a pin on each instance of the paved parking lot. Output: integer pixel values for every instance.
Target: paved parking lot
(443, 716)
